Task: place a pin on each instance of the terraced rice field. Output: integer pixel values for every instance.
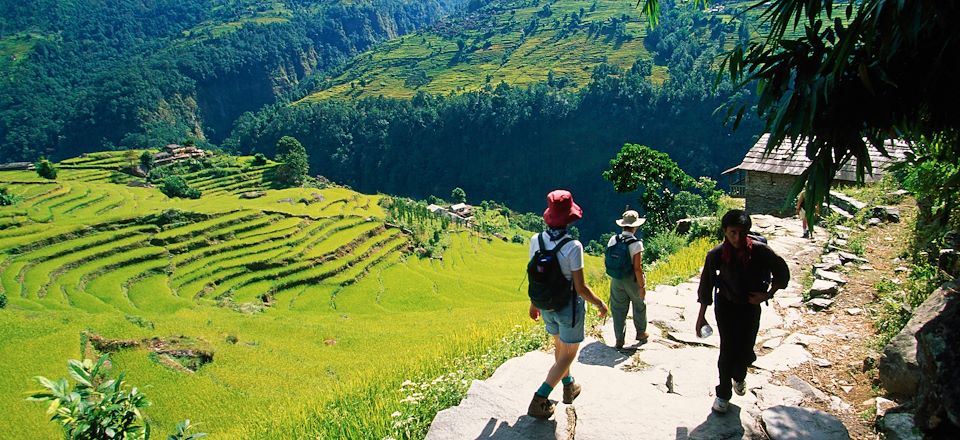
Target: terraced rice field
(303, 295)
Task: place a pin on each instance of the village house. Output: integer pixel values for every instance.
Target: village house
(175, 152)
(765, 180)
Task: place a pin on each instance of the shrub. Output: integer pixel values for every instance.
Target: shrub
(3, 300)
(7, 199)
(517, 238)
(259, 160)
(175, 186)
(98, 406)
(46, 169)
(662, 245)
(146, 160)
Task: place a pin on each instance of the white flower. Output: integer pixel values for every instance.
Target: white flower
(395, 414)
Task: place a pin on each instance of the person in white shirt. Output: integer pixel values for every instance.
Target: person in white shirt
(566, 324)
(627, 285)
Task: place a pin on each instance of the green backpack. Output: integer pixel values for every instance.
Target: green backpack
(617, 258)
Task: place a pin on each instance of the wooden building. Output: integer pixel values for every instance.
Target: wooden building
(765, 179)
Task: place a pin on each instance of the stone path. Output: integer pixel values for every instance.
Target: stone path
(664, 388)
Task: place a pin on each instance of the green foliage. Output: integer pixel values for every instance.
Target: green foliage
(7, 199)
(598, 247)
(458, 195)
(46, 169)
(898, 300)
(98, 406)
(176, 186)
(295, 165)
(662, 245)
(667, 193)
(259, 159)
(146, 160)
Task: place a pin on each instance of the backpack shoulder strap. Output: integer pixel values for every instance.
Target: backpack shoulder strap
(630, 240)
(561, 244)
(543, 246)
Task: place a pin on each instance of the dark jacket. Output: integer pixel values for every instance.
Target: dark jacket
(736, 280)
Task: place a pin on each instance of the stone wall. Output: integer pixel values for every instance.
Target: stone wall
(766, 193)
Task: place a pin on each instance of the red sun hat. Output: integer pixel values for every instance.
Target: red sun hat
(561, 210)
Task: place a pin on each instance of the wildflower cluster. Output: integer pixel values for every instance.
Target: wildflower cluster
(425, 397)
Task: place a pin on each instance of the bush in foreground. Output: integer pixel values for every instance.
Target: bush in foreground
(99, 407)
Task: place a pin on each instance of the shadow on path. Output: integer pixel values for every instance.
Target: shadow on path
(716, 426)
(598, 353)
(523, 428)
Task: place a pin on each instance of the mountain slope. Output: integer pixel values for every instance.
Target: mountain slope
(81, 75)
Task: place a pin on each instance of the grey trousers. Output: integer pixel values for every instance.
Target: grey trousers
(622, 294)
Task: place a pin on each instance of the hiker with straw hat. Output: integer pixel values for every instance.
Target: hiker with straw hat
(565, 321)
(623, 259)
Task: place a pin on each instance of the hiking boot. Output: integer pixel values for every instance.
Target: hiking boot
(721, 405)
(806, 234)
(619, 345)
(643, 337)
(571, 392)
(541, 407)
(740, 387)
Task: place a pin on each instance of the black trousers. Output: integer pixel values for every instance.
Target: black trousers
(738, 325)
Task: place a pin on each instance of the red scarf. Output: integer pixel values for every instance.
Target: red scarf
(727, 252)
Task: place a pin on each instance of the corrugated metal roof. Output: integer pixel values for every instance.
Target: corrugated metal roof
(791, 159)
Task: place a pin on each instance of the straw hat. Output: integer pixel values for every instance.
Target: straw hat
(631, 219)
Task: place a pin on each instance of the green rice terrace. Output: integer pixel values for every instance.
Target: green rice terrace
(254, 312)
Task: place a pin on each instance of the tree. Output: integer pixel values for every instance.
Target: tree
(46, 169)
(7, 199)
(638, 167)
(146, 160)
(294, 163)
(458, 195)
(175, 186)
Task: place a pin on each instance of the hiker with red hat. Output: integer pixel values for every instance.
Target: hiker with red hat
(557, 290)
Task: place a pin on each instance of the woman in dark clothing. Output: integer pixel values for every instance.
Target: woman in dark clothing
(742, 272)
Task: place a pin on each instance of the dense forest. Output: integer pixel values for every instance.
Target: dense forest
(514, 144)
(86, 75)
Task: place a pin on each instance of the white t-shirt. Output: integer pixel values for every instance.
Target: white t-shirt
(570, 256)
(634, 248)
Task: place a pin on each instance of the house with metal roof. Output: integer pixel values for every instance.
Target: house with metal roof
(765, 179)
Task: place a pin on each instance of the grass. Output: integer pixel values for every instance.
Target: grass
(353, 315)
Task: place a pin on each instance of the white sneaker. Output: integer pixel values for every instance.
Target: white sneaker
(740, 387)
(721, 405)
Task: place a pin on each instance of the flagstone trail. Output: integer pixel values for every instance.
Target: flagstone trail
(663, 389)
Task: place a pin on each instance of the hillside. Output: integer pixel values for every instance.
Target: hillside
(522, 42)
(82, 75)
(288, 301)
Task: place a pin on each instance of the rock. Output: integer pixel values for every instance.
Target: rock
(783, 358)
(883, 405)
(684, 225)
(938, 359)
(874, 221)
(252, 194)
(887, 213)
(854, 311)
(847, 256)
(793, 422)
(772, 343)
(899, 371)
(819, 303)
(822, 363)
(841, 212)
(830, 276)
(869, 363)
(949, 261)
(838, 405)
(810, 391)
(846, 388)
(773, 395)
(866, 267)
(823, 288)
(843, 228)
(841, 242)
(899, 426)
(802, 339)
(900, 269)
(846, 202)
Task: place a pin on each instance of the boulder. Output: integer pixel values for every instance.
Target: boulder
(830, 276)
(887, 213)
(938, 359)
(819, 303)
(899, 372)
(823, 288)
(874, 221)
(846, 202)
(899, 426)
(783, 358)
(793, 422)
(847, 256)
(769, 396)
(809, 391)
(949, 261)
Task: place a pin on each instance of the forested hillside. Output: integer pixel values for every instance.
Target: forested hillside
(513, 140)
(85, 75)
